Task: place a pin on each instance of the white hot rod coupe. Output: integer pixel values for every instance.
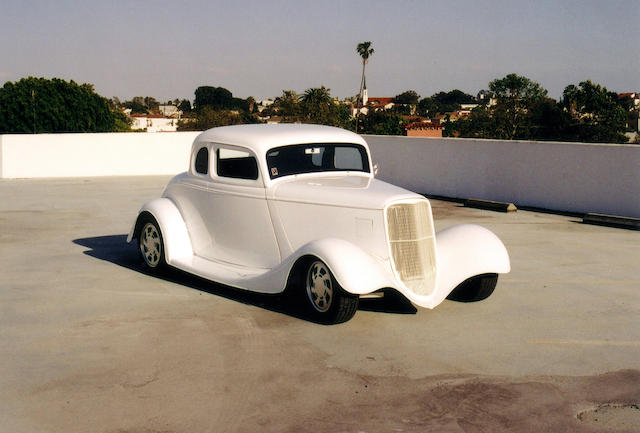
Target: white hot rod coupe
(272, 207)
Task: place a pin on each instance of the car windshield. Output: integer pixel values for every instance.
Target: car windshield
(316, 157)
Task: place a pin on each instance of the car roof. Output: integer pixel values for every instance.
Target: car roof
(261, 137)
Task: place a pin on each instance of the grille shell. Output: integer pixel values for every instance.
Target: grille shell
(412, 245)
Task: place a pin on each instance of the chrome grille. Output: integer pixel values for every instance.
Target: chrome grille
(410, 231)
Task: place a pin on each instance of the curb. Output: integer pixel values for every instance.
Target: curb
(496, 206)
(612, 221)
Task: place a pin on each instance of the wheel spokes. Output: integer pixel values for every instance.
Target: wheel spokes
(319, 286)
(150, 245)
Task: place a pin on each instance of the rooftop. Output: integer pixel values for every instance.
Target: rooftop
(92, 343)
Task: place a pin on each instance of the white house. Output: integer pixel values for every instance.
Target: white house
(154, 123)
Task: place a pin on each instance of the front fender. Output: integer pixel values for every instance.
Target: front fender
(465, 251)
(177, 243)
(354, 269)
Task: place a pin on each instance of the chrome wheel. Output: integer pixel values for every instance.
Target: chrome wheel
(150, 245)
(319, 286)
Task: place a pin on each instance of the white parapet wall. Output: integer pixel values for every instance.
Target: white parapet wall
(574, 177)
(104, 154)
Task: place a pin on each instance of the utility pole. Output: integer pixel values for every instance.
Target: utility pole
(33, 107)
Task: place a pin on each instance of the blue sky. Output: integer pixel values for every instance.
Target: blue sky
(166, 49)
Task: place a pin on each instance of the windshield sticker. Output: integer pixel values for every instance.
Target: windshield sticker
(274, 171)
(312, 151)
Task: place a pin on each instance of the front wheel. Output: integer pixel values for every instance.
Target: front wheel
(328, 302)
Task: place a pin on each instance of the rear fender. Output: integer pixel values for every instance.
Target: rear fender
(177, 243)
(468, 250)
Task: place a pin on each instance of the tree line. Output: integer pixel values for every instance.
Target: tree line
(587, 112)
(37, 105)
(514, 108)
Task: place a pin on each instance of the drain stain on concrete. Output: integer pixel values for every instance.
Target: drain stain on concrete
(613, 415)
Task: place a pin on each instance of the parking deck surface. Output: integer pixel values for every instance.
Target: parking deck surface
(91, 343)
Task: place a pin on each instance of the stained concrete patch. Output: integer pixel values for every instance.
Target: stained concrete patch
(613, 416)
(475, 404)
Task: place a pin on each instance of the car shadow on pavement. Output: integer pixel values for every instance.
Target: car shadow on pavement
(116, 250)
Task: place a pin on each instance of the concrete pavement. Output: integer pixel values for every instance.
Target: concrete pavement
(90, 343)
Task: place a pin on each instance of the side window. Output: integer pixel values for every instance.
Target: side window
(237, 164)
(202, 161)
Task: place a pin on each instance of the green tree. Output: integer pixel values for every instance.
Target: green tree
(444, 102)
(53, 105)
(208, 117)
(451, 100)
(184, 106)
(382, 123)
(252, 105)
(217, 98)
(480, 124)
(548, 121)
(597, 115)
(151, 104)
(406, 102)
(317, 106)
(515, 95)
(409, 97)
(136, 105)
(428, 107)
(121, 122)
(288, 106)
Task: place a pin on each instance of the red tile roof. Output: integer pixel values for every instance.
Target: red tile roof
(424, 125)
(381, 101)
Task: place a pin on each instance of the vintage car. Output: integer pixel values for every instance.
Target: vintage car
(269, 208)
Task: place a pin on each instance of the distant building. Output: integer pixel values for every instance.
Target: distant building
(634, 96)
(440, 118)
(264, 103)
(373, 104)
(378, 103)
(485, 97)
(170, 111)
(633, 117)
(424, 129)
(154, 123)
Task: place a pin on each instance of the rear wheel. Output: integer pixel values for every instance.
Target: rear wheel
(151, 244)
(327, 301)
(475, 288)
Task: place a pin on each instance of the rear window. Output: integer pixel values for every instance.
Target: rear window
(202, 161)
(316, 157)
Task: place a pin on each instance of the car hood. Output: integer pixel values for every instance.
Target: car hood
(344, 191)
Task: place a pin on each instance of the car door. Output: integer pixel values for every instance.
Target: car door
(191, 195)
(238, 219)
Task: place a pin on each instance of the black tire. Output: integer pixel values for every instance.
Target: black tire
(151, 244)
(326, 301)
(475, 288)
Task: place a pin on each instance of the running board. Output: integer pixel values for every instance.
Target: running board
(216, 271)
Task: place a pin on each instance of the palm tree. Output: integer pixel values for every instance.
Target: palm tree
(317, 105)
(317, 95)
(365, 51)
